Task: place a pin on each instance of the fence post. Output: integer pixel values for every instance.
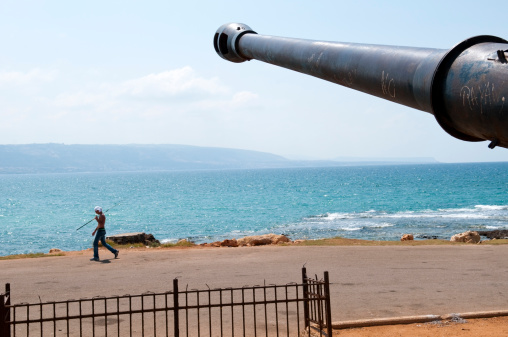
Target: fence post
(305, 298)
(328, 305)
(5, 314)
(176, 308)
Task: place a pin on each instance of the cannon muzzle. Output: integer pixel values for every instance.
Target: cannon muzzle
(465, 88)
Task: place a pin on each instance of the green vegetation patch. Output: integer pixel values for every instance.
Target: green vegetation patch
(495, 242)
(179, 244)
(128, 245)
(340, 241)
(29, 256)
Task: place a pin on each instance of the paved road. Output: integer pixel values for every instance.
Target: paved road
(368, 282)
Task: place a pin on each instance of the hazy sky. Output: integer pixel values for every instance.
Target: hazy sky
(120, 72)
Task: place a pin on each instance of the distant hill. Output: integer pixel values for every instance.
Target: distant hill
(60, 158)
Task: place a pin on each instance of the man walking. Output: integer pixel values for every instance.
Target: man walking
(101, 235)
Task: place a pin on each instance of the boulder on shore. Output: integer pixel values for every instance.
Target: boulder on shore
(259, 240)
(229, 243)
(407, 237)
(467, 237)
(130, 238)
(55, 250)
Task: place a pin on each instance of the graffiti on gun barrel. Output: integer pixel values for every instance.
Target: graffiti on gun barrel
(387, 85)
(482, 97)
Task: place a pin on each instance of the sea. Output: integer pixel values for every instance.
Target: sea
(43, 211)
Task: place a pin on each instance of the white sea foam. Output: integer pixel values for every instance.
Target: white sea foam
(435, 218)
(331, 216)
(163, 241)
(383, 225)
(468, 216)
(450, 210)
(492, 207)
(350, 229)
(403, 215)
(494, 227)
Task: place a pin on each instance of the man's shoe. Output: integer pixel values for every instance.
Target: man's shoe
(94, 259)
(116, 254)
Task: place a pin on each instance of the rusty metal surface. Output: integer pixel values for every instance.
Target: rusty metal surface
(471, 91)
(465, 88)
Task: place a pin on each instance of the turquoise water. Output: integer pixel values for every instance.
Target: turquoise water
(39, 212)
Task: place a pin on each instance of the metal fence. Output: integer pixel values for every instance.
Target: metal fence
(268, 310)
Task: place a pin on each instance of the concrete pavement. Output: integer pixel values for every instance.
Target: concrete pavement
(367, 282)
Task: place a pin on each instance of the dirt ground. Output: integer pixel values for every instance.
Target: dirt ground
(367, 281)
(482, 327)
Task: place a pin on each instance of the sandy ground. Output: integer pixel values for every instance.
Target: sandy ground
(492, 327)
(367, 282)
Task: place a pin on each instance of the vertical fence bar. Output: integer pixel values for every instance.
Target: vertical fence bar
(67, 305)
(166, 306)
(93, 317)
(80, 320)
(305, 298)
(254, 309)
(154, 317)
(54, 320)
(14, 320)
(176, 308)
(328, 305)
(243, 311)
(221, 324)
(130, 315)
(276, 311)
(209, 311)
(317, 299)
(5, 316)
(187, 311)
(106, 317)
(321, 305)
(118, 316)
(41, 316)
(166, 313)
(266, 313)
(142, 315)
(287, 310)
(8, 304)
(232, 314)
(297, 310)
(198, 307)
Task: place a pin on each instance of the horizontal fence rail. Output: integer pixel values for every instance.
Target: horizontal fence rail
(268, 310)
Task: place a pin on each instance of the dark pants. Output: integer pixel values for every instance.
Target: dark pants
(101, 236)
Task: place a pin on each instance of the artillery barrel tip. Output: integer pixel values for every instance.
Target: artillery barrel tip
(226, 38)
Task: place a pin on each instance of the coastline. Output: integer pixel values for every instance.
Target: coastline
(184, 245)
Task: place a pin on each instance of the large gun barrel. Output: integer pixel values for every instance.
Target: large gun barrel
(465, 88)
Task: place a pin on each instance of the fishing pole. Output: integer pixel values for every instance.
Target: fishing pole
(94, 218)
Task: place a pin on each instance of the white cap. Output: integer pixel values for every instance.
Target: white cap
(98, 209)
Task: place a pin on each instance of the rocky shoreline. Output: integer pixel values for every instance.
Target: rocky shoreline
(131, 238)
(274, 239)
(148, 240)
(256, 240)
(495, 234)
